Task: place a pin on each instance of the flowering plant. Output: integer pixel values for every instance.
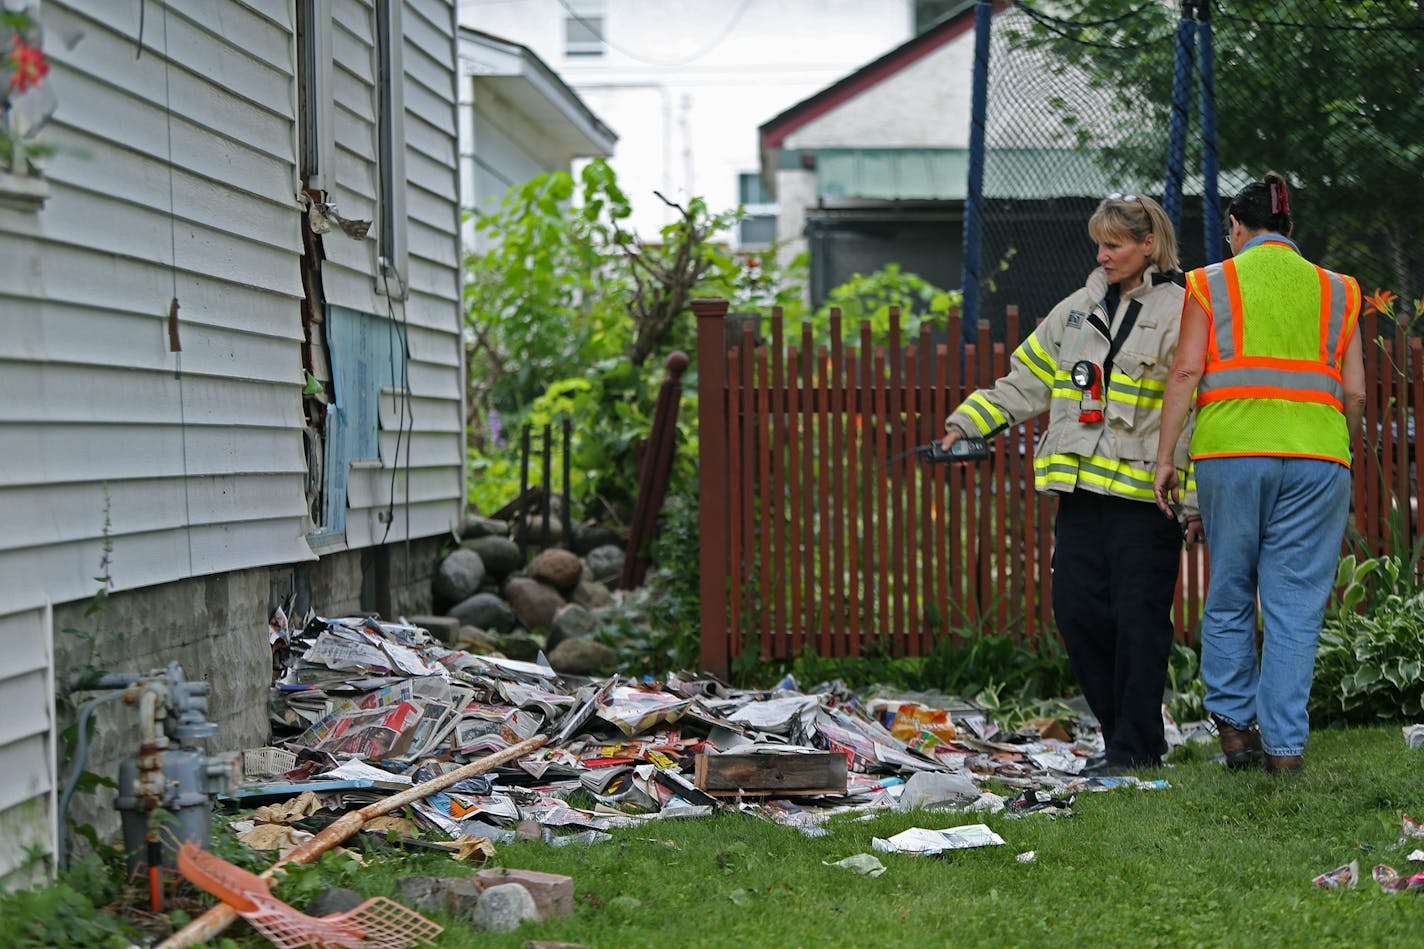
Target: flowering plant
(1384, 302)
(23, 67)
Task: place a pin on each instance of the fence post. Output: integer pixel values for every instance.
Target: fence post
(714, 481)
(653, 473)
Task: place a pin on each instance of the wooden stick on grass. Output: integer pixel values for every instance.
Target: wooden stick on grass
(215, 920)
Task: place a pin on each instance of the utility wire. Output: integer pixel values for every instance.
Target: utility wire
(703, 51)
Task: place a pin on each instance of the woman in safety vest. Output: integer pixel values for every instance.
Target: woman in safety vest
(1270, 345)
(1098, 366)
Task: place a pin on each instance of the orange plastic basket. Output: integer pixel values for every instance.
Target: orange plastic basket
(378, 923)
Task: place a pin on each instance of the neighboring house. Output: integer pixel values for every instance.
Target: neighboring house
(685, 83)
(873, 168)
(216, 165)
(518, 120)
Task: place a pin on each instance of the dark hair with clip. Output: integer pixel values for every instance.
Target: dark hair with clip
(1263, 205)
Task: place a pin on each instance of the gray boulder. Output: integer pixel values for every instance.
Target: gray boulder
(582, 657)
(534, 603)
(486, 611)
(458, 577)
(499, 553)
(571, 622)
(476, 526)
(502, 908)
(335, 899)
(519, 645)
(588, 536)
(591, 595)
(606, 563)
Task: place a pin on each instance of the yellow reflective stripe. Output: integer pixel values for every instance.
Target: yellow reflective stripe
(1036, 358)
(1116, 477)
(986, 415)
(1146, 392)
(1063, 388)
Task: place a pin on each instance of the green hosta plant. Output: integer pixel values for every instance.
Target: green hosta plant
(1370, 664)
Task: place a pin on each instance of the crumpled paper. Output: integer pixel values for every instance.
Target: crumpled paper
(866, 864)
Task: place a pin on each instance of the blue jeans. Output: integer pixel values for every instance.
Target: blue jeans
(1273, 528)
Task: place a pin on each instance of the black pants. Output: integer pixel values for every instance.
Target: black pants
(1115, 566)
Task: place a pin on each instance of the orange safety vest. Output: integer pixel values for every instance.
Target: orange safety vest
(1272, 383)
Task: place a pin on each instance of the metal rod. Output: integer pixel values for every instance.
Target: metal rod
(206, 927)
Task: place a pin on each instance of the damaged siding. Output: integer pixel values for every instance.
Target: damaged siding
(198, 452)
(421, 432)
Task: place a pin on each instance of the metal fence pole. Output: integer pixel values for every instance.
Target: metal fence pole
(1181, 103)
(1211, 195)
(983, 13)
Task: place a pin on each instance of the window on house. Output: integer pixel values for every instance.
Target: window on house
(583, 28)
(390, 152)
(314, 110)
(757, 227)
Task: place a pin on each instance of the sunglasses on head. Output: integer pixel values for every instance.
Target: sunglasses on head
(1119, 196)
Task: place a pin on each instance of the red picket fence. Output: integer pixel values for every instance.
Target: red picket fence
(821, 529)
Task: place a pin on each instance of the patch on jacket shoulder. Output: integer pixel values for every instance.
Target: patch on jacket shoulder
(1076, 317)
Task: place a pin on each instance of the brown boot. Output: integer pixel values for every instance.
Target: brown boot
(1240, 746)
(1283, 764)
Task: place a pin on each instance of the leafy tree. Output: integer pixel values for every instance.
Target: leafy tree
(567, 316)
(1323, 92)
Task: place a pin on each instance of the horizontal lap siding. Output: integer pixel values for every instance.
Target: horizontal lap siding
(200, 453)
(27, 765)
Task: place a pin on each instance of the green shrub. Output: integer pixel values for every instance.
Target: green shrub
(1371, 655)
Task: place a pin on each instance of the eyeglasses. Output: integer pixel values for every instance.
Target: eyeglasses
(1119, 196)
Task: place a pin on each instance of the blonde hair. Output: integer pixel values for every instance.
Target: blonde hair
(1136, 216)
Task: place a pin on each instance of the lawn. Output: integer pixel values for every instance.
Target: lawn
(1219, 859)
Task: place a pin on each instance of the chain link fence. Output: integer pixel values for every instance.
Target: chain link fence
(1081, 104)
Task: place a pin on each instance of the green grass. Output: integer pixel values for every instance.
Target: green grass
(1220, 859)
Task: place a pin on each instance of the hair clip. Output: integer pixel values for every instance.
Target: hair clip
(1119, 196)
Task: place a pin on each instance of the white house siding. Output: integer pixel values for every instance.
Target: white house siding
(200, 452)
(174, 176)
(429, 314)
(28, 784)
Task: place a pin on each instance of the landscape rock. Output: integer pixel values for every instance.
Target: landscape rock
(588, 536)
(519, 645)
(533, 603)
(476, 640)
(553, 892)
(545, 535)
(486, 611)
(458, 577)
(502, 908)
(591, 595)
(500, 554)
(559, 568)
(475, 526)
(421, 894)
(571, 622)
(581, 657)
(606, 564)
(336, 899)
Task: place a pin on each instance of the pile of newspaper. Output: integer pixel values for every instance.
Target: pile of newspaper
(362, 708)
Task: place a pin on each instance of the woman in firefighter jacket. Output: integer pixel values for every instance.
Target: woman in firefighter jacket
(1098, 366)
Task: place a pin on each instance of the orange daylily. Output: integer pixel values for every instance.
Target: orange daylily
(1380, 302)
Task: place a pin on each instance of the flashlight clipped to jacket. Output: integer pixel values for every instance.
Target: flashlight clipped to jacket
(1088, 377)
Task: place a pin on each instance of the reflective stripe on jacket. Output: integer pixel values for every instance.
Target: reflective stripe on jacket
(1116, 456)
(1272, 385)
